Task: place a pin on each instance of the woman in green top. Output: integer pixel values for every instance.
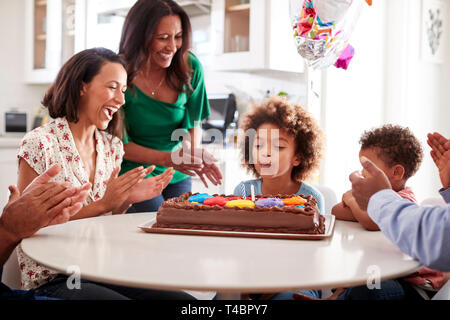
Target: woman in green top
(166, 93)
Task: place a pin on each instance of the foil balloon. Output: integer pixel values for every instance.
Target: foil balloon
(332, 11)
(322, 29)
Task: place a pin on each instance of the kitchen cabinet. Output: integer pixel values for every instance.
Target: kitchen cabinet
(54, 31)
(105, 19)
(253, 35)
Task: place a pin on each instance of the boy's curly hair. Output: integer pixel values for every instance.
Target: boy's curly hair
(397, 145)
(295, 121)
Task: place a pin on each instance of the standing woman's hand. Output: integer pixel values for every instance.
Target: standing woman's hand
(210, 169)
(185, 160)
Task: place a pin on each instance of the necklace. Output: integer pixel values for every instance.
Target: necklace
(157, 87)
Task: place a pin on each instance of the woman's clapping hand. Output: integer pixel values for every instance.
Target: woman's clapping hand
(118, 189)
(150, 187)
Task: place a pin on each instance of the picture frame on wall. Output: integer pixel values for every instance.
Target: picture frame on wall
(434, 24)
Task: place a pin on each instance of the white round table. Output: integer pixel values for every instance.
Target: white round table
(114, 250)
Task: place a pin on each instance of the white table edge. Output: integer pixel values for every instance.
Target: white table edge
(222, 289)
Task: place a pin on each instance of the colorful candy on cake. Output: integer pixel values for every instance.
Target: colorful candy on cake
(265, 213)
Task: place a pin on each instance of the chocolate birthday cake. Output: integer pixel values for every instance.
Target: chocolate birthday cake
(268, 213)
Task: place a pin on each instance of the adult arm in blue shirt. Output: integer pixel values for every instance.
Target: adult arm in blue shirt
(422, 232)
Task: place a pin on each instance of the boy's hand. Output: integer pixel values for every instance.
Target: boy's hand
(346, 198)
(364, 187)
(440, 152)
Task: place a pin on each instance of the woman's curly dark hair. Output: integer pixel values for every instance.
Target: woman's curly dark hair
(295, 121)
(397, 145)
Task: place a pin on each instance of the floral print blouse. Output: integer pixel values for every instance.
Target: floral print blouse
(53, 143)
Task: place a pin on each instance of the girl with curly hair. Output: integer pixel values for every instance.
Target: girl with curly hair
(282, 147)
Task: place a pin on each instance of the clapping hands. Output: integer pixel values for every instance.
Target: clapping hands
(42, 203)
(150, 187)
(118, 189)
(186, 160)
(133, 187)
(198, 161)
(440, 152)
(210, 169)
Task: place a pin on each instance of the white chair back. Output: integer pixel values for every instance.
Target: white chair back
(330, 200)
(443, 293)
(11, 272)
(433, 201)
(329, 196)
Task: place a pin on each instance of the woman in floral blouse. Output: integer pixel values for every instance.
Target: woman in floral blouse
(85, 139)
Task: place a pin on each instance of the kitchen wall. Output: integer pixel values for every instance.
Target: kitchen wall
(353, 99)
(14, 92)
(248, 86)
(417, 95)
(388, 81)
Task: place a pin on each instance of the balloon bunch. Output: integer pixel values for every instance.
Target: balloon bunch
(322, 28)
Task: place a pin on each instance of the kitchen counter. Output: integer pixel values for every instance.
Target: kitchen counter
(8, 142)
(8, 165)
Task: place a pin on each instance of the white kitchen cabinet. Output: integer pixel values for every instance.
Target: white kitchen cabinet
(54, 31)
(105, 19)
(8, 173)
(253, 35)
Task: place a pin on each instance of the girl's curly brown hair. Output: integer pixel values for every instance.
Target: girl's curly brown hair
(295, 121)
(397, 145)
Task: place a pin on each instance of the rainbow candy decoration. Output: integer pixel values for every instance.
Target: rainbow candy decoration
(216, 201)
(241, 203)
(294, 201)
(269, 202)
(199, 197)
(208, 200)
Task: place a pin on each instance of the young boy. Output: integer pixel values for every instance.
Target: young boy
(397, 152)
